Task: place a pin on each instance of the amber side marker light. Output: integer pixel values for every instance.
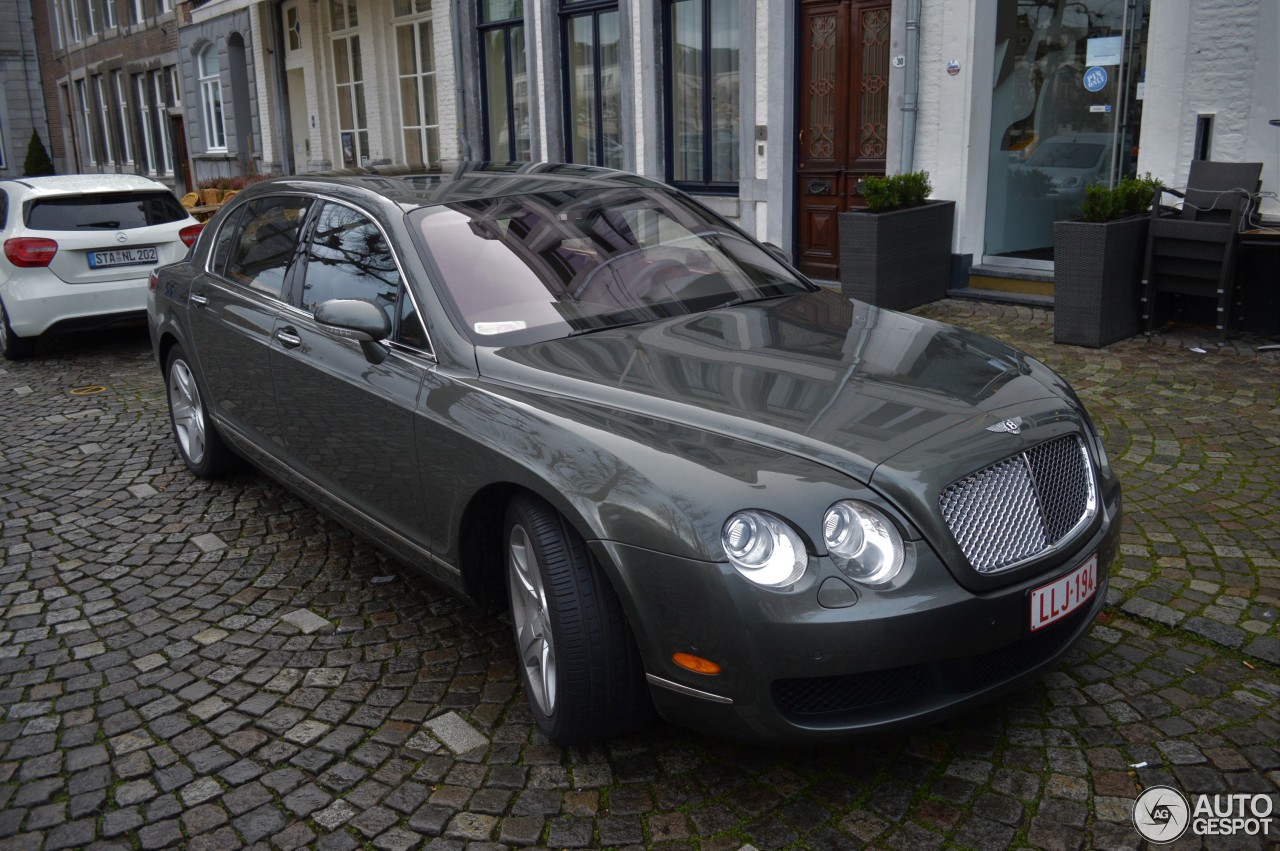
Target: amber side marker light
(696, 664)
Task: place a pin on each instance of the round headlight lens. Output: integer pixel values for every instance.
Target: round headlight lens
(764, 548)
(862, 542)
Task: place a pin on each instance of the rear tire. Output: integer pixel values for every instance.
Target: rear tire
(199, 443)
(11, 345)
(577, 657)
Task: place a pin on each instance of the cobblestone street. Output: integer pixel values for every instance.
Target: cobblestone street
(217, 665)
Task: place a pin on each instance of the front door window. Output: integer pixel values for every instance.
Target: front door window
(1065, 113)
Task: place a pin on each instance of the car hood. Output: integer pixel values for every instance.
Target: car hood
(816, 375)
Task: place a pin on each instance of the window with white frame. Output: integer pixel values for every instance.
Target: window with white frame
(166, 6)
(109, 15)
(148, 153)
(139, 10)
(161, 112)
(173, 88)
(91, 18)
(73, 19)
(122, 118)
(86, 136)
(416, 62)
(215, 131)
(348, 80)
(100, 127)
(59, 38)
(292, 28)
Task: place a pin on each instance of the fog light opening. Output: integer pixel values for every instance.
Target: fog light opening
(696, 664)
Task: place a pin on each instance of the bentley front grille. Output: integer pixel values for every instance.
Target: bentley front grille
(1016, 509)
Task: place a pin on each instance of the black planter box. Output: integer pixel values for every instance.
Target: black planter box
(1097, 279)
(900, 259)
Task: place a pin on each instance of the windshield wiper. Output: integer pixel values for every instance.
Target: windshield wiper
(580, 331)
(734, 302)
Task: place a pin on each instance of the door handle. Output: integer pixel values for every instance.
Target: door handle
(288, 338)
(199, 300)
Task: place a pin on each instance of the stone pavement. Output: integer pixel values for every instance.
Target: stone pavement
(215, 665)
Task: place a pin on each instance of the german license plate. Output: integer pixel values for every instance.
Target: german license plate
(1064, 595)
(138, 256)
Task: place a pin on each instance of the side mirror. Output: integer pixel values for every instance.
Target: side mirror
(778, 252)
(359, 320)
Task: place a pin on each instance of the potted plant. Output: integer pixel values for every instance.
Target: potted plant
(1097, 260)
(897, 252)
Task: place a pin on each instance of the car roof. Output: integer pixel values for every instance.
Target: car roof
(84, 184)
(450, 182)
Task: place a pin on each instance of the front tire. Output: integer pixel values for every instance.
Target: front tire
(11, 345)
(199, 443)
(577, 658)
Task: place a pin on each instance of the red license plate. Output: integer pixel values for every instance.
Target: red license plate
(1064, 595)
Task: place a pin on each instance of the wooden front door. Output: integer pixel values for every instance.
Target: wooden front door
(843, 109)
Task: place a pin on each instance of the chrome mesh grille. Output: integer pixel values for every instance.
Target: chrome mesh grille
(1019, 507)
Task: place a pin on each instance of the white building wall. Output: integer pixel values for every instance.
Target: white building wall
(1219, 58)
(953, 119)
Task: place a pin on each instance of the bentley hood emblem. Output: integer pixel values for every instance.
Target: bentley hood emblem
(1009, 426)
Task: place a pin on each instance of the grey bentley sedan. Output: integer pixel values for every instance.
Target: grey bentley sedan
(702, 485)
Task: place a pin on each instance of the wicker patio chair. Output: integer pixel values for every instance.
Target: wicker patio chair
(1191, 250)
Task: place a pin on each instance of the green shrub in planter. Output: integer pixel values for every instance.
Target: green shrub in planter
(1097, 262)
(1132, 196)
(896, 252)
(895, 191)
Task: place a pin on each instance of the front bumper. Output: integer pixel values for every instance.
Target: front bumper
(794, 670)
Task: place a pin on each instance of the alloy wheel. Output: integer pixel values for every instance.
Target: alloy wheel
(532, 620)
(188, 413)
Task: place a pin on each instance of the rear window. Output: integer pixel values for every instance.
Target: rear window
(108, 211)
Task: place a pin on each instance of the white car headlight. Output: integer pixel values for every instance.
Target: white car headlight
(862, 542)
(764, 548)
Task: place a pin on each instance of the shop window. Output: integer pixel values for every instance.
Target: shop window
(701, 99)
(593, 90)
(504, 73)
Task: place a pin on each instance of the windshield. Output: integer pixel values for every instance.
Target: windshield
(528, 268)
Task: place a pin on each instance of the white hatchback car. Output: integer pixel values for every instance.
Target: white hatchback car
(78, 250)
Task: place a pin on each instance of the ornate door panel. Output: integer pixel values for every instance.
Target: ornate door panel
(843, 108)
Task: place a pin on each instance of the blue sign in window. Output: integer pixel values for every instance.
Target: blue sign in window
(1095, 79)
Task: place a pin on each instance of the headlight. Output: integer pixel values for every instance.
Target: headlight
(764, 548)
(862, 542)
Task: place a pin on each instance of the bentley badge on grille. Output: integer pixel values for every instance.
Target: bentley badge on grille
(1010, 426)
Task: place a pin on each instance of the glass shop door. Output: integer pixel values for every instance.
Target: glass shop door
(1066, 108)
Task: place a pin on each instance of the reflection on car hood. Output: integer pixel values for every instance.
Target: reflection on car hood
(837, 381)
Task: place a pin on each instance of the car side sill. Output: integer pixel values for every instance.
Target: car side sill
(683, 689)
(364, 524)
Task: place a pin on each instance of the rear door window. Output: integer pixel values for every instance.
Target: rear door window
(107, 211)
(266, 242)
